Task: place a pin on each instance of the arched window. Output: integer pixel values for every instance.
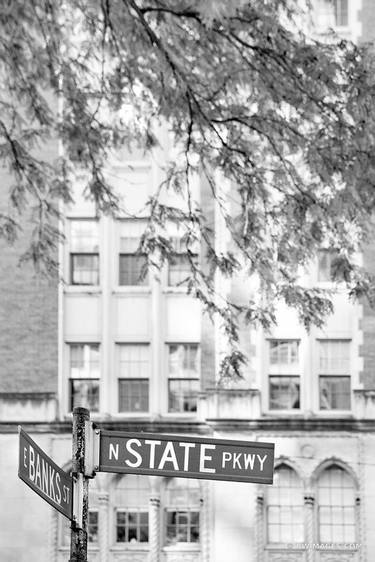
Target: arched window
(285, 507)
(336, 505)
(182, 513)
(131, 498)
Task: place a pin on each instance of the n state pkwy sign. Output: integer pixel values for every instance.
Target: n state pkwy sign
(187, 457)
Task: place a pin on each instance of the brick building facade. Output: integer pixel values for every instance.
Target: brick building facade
(142, 356)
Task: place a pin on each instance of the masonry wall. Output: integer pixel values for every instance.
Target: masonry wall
(28, 316)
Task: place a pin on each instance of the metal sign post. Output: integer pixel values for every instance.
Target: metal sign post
(78, 542)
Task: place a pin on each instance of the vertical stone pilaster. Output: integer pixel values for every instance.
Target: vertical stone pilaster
(360, 510)
(53, 536)
(259, 521)
(309, 501)
(154, 528)
(206, 529)
(103, 526)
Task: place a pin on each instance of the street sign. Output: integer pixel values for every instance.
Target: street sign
(43, 476)
(186, 457)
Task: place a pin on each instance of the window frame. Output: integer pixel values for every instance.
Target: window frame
(126, 511)
(95, 379)
(133, 228)
(185, 508)
(173, 377)
(74, 250)
(281, 506)
(284, 370)
(355, 526)
(142, 281)
(138, 377)
(141, 505)
(93, 544)
(332, 17)
(181, 250)
(332, 373)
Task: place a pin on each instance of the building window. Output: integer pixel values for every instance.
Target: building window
(93, 527)
(284, 392)
(283, 372)
(84, 371)
(132, 263)
(131, 497)
(332, 13)
(336, 506)
(181, 262)
(334, 375)
(84, 252)
(183, 377)
(285, 507)
(341, 13)
(326, 265)
(133, 377)
(182, 513)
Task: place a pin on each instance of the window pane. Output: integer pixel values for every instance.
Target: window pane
(334, 393)
(129, 527)
(180, 527)
(133, 395)
(341, 12)
(93, 523)
(84, 393)
(84, 236)
(284, 352)
(334, 357)
(179, 269)
(183, 395)
(129, 244)
(84, 360)
(134, 360)
(84, 269)
(133, 270)
(285, 507)
(183, 360)
(284, 393)
(336, 500)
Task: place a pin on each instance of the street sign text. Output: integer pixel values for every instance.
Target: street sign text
(43, 476)
(191, 457)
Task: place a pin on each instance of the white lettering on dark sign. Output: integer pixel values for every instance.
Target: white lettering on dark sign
(42, 475)
(196, 457)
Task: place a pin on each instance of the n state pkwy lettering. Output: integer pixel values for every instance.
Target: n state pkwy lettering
(184, 456)
(169, 459)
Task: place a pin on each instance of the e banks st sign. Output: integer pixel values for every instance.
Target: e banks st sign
(177, 455)
(43, 475)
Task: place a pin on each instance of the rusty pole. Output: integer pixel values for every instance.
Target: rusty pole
(78, 542)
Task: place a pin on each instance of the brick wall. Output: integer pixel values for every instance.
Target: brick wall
(28, 318)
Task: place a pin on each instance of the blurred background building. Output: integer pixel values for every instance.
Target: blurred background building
(140, 354)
